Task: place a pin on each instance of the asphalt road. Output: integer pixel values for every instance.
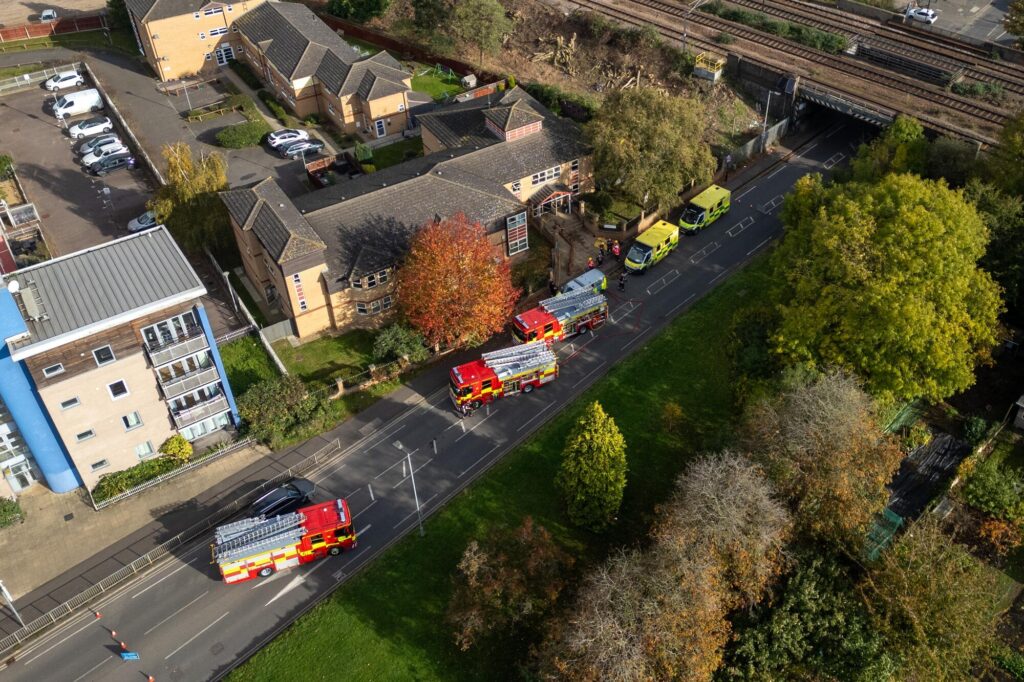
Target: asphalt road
(187, 625)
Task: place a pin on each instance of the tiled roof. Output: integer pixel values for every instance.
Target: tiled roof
(264, 209)
(462, 123)
(512, 116)
(163, 9)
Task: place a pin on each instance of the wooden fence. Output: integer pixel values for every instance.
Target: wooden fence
(93, 22)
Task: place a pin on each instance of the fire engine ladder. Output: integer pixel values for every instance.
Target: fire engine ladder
(250, 536)
(510, 362)
(571, 305)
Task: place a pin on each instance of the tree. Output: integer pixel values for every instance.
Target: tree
(1003, 214)
(117, 14)
(1013, 22)
(882, 279)
(933, 602)
(452, 288)
(274, 408)
(177, 447)
(396, 341)
(901, 148)
(816, 627)
(188, 204)
(592, 476)
(512, 578)
(482, 23)
(649, 144)
(359, 11)
(430, 16)
(821, 444)
(1008, 157)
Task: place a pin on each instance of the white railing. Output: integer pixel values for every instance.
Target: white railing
(28, 80)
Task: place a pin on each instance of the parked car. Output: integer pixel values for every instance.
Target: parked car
(929, 16)
(112, 163)
(297, 149)
(103, 152)
(294, 494)
(286, 136)
(143, 222)
(75, 103)
(90, 126)
(64, 79)
(94, 143)
(48, 15)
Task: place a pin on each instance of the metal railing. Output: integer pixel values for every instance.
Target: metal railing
(10, 642)
(175, 386)
(200, 412)
(193, 341)
(28, 80)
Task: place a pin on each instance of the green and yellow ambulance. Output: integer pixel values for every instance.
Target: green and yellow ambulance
(650, 247)
(705, 208)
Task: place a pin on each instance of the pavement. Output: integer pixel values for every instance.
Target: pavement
(974, 18)
(15, 12)
(186, 624)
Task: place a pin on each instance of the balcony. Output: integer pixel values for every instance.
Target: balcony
(200, 412)
(176, 386)
(193, 341)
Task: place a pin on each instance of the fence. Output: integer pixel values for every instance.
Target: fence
(7, 644)
(759, 143)
(29, 80)
(69, 25)
(194, 464)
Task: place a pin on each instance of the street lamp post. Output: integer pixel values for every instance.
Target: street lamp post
(686, 17)
(10, 603)
(412, 477)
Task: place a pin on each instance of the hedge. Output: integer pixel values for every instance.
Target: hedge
(246, 74)
(277, 109)
(10, 512)
(241, 135)
(123, 481)
(560, 102)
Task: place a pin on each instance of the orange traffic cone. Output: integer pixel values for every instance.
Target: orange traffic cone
(150, 678)
(97, 614)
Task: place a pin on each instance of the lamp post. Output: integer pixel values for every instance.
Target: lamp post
(686, 17)
(412, 477)
(10, 603)
(764, 125)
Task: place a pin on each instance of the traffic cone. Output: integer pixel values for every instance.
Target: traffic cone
(97, 614)
(124, 647)
(150, 678)
(113, 634)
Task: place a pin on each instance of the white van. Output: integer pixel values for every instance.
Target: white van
(80, 102)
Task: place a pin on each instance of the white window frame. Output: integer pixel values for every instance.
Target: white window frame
(300, 292)
(401, 107)
(70, 403)
(113, 358)
(386, 303)
(382, 276)
(124, 421)
(195, 15)
(516, 223)
(57, 370)
(361, 309)
(123, 395)
(575, 165)
(149, 446)
(88, 433)
(371, 280)
(517, 186)
(222, 30)
(209, 56)
(97, 466)
(574, 188)
(545, 175)
(210, 11)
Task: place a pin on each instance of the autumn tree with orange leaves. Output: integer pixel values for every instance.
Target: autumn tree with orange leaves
(452, 287)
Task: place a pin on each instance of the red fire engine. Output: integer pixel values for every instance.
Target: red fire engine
(560, 317)
(257, 547)
(519, 369)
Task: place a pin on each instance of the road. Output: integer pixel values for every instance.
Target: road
(187, 625)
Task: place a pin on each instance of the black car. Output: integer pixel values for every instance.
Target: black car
(294, 494)
(112, 163)
(297, 149)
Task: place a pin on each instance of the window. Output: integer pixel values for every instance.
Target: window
(517, 186)
(202, 35)
(313, 539)
(361, 308)
(545, 175)
(118, 389)
(299, 294)
(574, 188)
(575, 165)
(53, 370)
(385, 303)
(209, 56)
(234, 29)
(103, 356)
(102, 464)
(486, 384)
(330, 109)
(371, 281)
(382, 276)
(357, 283)
(375, 307)
(85, 435)
(210, 11)
(517, 233)
(401, 107)
(195, 15)
(218, 31)
(229, 8)
(144, 450)
(69, 403)
(131, 421)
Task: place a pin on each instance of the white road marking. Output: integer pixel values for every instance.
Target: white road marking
(325, 474)
(759, 246)
(716, 277)
(740, 226)
(413, 512)
(296, 581)
(356, 516)
(480, 459)
(748, 191)
(176, 612)
(804, 151)
(679, 305)
(835, 131)
(704, 253)
(663, 282)
(394, 465)
(93, 669)
(634, 339)
(833, 160)
(539, 412)
(776, 172)
(405, 478)
(193, 637)
(470, 429)
(59, 642)
(573, 348)
(584, 377)
(144, 590)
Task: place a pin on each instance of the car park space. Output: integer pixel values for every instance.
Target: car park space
(77, 210)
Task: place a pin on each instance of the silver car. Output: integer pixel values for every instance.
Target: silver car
(103, 152)
(94, 143)
(90, 126)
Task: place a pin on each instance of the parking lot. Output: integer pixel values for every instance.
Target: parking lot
(77, 210)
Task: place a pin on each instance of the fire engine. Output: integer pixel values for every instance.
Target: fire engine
(257, 547)
(560, 317)
(518, 369)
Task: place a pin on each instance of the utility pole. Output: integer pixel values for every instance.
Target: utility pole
(412, 477)
(10, 603)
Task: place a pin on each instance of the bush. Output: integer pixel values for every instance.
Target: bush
(246, 74)
(975, 430)
(368, 168)
(123, 481)
(724, 38)
(6, 166)
(177, 447)
(1003, 536)
(10, 512)
(995, 492)
(916, 436)
(357, 10)
(312, 120)
(241, 135)
(598, 202)
(362, 152)
(278, 109)
(805, 35)
(576, 107)
(277, 409)
(511, 81)
(1011, 661)
(672, 417)
(398, 340)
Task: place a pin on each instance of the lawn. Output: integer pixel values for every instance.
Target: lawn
(397, 152)
(328, 357)
(13, 71)
(437, 86)
(247, 299)
(388, 622)
(246, 363)
(120, 40)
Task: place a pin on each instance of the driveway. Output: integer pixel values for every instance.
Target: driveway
(77, 210)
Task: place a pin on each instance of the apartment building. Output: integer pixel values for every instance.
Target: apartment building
(179, 38)
(328, 258)
(106, 353)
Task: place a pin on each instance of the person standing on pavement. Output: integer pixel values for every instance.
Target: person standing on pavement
(616, 250)
(622, 281)
(590, 262)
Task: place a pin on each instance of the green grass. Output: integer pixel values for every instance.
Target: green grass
(247, 299)
(531, 273)
(328, 357)
(625, 209)
(438, 87)
(246, 363)
(388, 622)
(14, 71)
(368, 48)
(120, 40)
(397, 152)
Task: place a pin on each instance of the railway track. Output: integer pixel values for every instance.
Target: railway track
(976, 122)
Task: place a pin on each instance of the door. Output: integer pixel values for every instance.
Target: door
(19, 474)
(224, 55)
(381, 128)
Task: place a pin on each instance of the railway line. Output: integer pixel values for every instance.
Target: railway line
(873, 87)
